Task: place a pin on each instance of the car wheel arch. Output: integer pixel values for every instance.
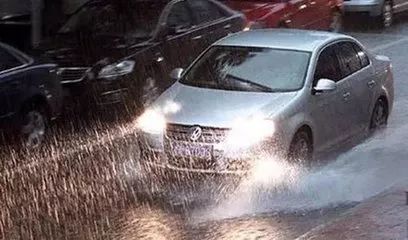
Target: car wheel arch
(307, 129)
(302, 127)
(384, 98)
(292, 153)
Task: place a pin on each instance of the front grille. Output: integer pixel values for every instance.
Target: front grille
(71, 75)
(192, 163)
(211, 135)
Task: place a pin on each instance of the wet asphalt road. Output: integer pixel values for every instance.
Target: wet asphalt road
(85, 184)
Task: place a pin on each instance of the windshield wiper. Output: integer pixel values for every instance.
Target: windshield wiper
(258, 86)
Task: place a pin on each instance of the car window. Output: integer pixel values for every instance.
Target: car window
(249, 69)
(108, 20)
(138, 18)
(348, 59)
(94, 18)
(327, 65)
(180, 16)
(205, 11)
(7, 60)
(362, 55)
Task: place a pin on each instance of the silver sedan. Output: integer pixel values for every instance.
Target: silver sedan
(287, 93)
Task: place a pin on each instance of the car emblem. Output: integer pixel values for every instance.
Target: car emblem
(195, 133)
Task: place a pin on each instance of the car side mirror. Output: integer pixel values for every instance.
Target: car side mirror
(176, 73)
(324, 85)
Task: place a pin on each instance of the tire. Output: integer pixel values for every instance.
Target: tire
(387, 16)
(336, 24)
(379, 116)
(301, 148)
(33, 126)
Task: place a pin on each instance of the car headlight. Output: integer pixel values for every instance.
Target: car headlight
(246, 133)
(117, 69)
(151, 121)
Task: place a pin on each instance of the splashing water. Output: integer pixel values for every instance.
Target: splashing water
(353, 176)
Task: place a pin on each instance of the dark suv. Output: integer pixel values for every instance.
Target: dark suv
(119, 51)
(30, 95)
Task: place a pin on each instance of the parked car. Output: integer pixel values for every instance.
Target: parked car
(285, 93)
(30, 95)
(383, 10)
(119, 51)
(302, 14)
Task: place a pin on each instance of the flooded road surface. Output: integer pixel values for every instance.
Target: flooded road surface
(90, 186)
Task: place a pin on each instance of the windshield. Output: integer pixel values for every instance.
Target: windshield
(139, 18)
(249, 69)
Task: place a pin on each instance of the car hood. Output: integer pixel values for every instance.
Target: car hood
(188, 105)
(68, 50)
(254, 10)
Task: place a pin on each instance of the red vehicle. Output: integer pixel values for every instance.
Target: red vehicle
(304, 14)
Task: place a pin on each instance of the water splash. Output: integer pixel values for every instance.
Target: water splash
(362, 172)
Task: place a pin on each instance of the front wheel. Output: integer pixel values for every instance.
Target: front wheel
(379, 117)
(33, 127)
(301, 148)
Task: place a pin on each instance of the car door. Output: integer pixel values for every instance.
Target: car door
(212, 23)
(11, 82)
(330, 108)
(173, 44)
(177, 49)
(356, 69)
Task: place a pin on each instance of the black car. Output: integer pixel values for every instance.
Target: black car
(30, 95)
(15, 29)
(119, 51)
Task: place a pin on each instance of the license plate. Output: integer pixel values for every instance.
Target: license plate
(190, 150)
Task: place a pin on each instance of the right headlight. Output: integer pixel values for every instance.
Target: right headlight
(246, 133)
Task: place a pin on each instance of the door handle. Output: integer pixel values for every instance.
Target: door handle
(197, 37)
(371, 84)
(346, 96)
(228, 26)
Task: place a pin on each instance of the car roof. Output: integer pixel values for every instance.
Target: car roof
(292, 39)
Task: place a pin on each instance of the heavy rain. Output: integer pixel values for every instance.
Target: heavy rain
(89, 177)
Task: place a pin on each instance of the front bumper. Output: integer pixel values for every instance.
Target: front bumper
(156, 154)
(85, 87)
(373, 8)
(109, 92)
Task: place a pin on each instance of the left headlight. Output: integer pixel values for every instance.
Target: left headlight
(117, 69)
(151, 121)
